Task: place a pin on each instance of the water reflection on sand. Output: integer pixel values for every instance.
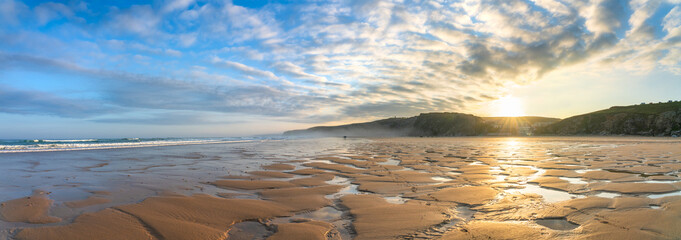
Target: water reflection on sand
(535, 187)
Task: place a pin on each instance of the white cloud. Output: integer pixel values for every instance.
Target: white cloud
(138, 19)
(672, 23)
(298, 72)
(10, 11)
(47, 12)
(187, 39)
(451, 36)
(604, 16)
(173, 5)
(173, 52)
(243, 69)
(295, 70)
(250, 24)
(553, 6)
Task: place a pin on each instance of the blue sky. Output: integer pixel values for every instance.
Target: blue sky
(222, 68)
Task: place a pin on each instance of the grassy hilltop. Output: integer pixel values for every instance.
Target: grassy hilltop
(432, 124)
(650, 119)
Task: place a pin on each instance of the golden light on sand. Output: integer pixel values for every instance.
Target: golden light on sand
(508, 107)
(512, 142)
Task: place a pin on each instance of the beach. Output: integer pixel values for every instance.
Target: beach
(354, 188)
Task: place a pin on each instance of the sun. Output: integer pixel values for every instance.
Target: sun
(509, 107)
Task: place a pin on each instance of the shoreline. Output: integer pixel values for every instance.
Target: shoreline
(622, 138)
(126, 146)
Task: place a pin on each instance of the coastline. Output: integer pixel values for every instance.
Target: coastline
(74, 145)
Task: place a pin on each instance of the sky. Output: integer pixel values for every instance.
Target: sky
(164, 68)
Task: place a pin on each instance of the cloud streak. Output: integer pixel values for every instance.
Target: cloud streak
(44, 103)
(243, 69)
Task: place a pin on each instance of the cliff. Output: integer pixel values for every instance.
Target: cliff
(426, 124)
(517, 126)
(659, 119)
(448, 124)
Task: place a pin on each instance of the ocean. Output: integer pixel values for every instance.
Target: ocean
(36, 145)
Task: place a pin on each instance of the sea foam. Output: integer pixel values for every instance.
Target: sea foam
(38, 145)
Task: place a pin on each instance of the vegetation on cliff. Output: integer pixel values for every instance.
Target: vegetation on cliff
(652, 119)
(432, 124)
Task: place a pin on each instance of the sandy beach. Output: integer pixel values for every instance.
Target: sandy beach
(355, 188)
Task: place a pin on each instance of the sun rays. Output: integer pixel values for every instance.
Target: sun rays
(508, 106)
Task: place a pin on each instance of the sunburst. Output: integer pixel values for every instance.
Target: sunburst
(509, 107)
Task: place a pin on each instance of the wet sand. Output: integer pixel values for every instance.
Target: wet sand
(392, 188)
